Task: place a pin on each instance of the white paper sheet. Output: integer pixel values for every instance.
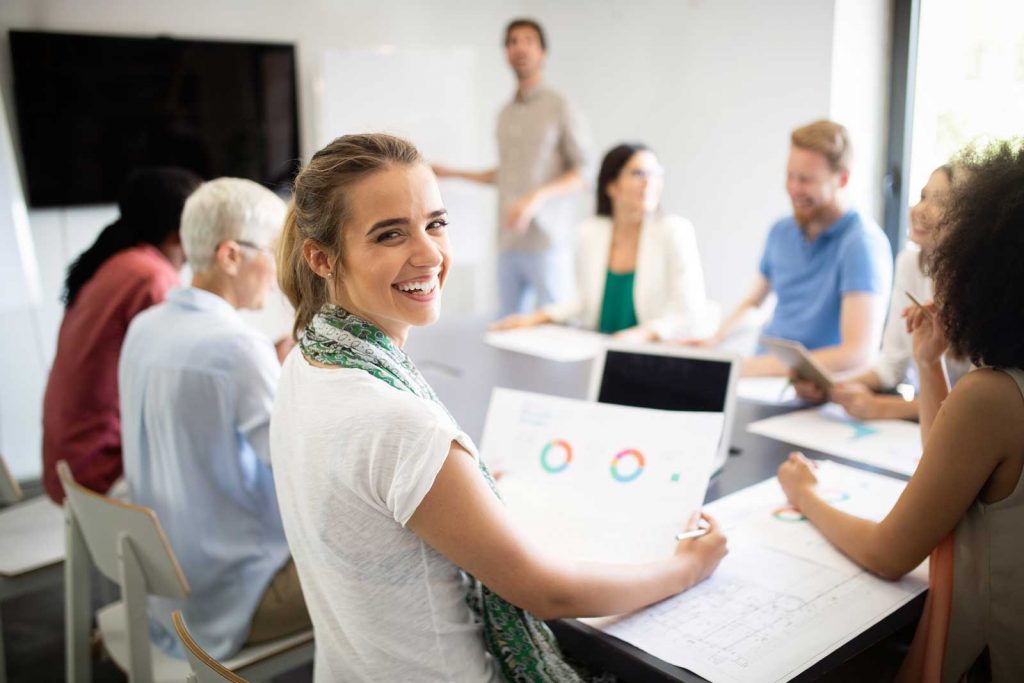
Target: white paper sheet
(894, 445)
(553, 342)
(595, 481)
(783, 598)
(775, 390)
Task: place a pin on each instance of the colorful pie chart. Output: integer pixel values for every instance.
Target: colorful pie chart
(788, 513)
(556, 456)
(627, 465)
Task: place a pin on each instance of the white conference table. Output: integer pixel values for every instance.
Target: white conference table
(463, 370)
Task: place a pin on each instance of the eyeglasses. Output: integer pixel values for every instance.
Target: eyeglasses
(646, 174)
(252, 245)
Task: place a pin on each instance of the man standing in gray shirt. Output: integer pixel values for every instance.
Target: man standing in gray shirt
(541, 160)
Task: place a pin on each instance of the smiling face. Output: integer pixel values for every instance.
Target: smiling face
(813, 186)
(396, 252)
(926, 214)
(639, 184)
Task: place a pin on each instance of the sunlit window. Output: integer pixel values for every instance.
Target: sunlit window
(970, 79)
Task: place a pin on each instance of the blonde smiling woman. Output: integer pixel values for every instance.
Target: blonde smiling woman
(386, 505)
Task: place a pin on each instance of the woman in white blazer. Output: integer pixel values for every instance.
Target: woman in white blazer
(638, 271)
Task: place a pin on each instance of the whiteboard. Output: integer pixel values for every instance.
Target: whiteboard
(19, 271)
(427, 96)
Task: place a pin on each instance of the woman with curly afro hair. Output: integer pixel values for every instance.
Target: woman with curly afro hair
(965, 504)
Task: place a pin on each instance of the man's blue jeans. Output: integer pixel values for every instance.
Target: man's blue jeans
(528, 280)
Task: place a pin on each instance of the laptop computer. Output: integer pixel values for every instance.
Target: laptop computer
(669, 378)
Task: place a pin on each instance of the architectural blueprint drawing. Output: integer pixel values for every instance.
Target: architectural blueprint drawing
(783, 598)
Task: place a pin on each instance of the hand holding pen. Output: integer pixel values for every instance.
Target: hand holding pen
(924, 325)
(702, 528)
(703, 541)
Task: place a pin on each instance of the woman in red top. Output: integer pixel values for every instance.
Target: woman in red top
(130, 267)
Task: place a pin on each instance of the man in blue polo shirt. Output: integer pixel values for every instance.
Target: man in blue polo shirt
(829, 266)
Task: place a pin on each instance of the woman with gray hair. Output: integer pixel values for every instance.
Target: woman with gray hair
(197, 386)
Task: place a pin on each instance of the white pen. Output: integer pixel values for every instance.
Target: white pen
(702, 528)
(692, 533)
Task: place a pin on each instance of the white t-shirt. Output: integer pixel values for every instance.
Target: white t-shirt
(353, 457)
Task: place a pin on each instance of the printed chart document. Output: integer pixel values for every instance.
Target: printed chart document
(596, 481)
(553, 342)
(783, 598)
(894, 445)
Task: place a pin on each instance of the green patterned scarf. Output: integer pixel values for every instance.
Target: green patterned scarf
(523, 645)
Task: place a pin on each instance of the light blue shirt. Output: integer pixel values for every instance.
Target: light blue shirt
(810, 278)
(196, 388)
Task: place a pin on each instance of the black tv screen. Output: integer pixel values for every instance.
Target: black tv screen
(91, 108)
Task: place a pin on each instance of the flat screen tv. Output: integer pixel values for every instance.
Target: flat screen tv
(91, 108)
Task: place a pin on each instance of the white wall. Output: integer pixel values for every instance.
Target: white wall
(714, 86)
(862, 45)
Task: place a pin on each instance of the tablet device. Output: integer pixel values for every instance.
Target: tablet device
(794, 356)
(669, 378)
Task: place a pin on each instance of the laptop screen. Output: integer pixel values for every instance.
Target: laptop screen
(665, 382)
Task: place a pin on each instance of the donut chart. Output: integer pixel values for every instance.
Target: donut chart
(788, 513)
(627, 465)
(556, 456)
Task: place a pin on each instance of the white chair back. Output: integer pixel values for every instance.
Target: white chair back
(205, 669)
(106, 523)
(127, 545)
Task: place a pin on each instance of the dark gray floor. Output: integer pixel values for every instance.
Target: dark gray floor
(34, 640)
(33, 632)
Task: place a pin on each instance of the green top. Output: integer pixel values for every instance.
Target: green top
(617, 312)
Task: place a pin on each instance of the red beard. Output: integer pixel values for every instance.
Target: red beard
(805, 218)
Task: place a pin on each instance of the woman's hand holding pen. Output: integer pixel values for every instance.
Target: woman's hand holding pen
(928, 339)
(705, 550)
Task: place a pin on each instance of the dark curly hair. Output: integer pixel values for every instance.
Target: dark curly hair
(978, 262)
(151, 201)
